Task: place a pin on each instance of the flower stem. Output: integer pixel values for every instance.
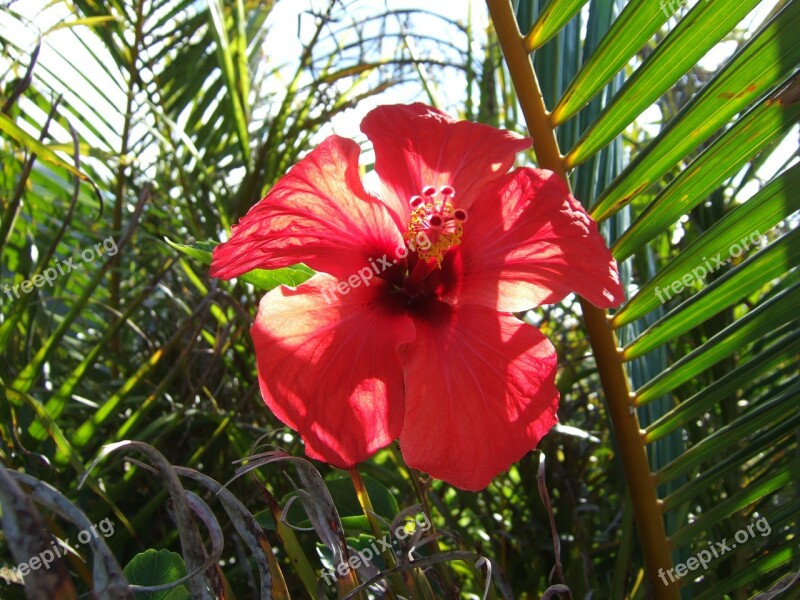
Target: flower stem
(422, 495)
(366, 505)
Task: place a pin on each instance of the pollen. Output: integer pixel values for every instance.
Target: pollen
(435, 226)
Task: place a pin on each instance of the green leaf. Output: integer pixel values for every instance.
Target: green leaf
(695, 34)
(262, 279)
(716, 247)
(88, 22)
(755, 272)
(41, 151)
(767, 564)
(774, 440)
(265, 519)
(228, 63)
(774, 481)
(157, 567)
(555, 15)
(768, 316)
(730, 349)
(783, 351)
(768, 59)
(762, 415)
(768, 121)
(347, 505)
(639, 20)
(344, 496)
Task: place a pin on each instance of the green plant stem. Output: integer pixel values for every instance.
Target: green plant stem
(422, 494)
(115, 283)
(366, 505)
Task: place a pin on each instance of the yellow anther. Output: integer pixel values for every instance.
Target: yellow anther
(434, 228)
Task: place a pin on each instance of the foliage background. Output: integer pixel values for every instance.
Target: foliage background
(148, 120)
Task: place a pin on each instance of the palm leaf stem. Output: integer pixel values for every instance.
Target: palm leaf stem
(647, 509)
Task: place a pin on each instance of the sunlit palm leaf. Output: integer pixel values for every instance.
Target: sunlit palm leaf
(717, 477)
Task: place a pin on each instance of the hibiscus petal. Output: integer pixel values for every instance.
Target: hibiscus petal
(480, 393)
(417, 145)
(317, 214)
(329, 366)
(529, 242)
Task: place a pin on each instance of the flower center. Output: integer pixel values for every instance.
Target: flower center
(435, 226)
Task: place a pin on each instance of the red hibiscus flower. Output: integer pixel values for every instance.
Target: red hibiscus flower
(406, 330)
